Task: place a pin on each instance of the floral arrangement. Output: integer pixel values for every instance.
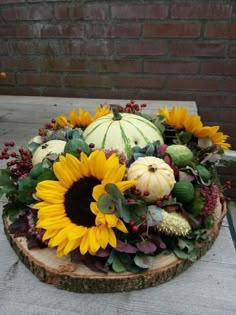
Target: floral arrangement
(116, 189)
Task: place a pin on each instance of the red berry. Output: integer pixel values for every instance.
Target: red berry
(146, 193)
(143, 225)
(159, 203)
(53, 121)
(7, 144)
(143, 217)
(143, 105)
(79, 149)
(8, 164)
(1, 157)
(91, 145)
(132, 102)
(135, 228)
(136, 107)
(12, 143)
(13, 154)
(132, 223)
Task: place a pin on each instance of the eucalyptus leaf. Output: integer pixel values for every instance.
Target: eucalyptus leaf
(192, 256)
(106, 204)
(114, 192)
(119, 262)
(144, 261)
(125, 247)
(146, 247)
(154, 215)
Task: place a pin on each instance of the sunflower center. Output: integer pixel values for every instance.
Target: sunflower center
(78, 199)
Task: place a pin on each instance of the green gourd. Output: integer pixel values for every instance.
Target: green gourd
(183, 191)
(180, 154)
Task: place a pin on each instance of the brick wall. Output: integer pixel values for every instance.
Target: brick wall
(169, 49)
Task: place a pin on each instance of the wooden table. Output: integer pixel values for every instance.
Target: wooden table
(208, 287)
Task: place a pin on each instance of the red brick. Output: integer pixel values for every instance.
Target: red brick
(233, 51)
(228, 115)
(81, 12)
(37, 12)
(218, 67)
(201, 10)
(208, 114)
(229, 85)
(14, 31)
(113, 30)
(229, 129)
(13, 1)
(166, 95)
(38, 79)
(20, 63)
(145, 11)
(193, 84)
(114, 65)
(140, 48)
(96, 81)
(198, 49)
(28, 91)
(65, 92)
(9, 80)
(62, 31)
(36, 48)
(183, 30)
(63, 64)
(91, 47)
(3, 47)
(171, 66)
(216, 30)
(137, 82)
(216, 100)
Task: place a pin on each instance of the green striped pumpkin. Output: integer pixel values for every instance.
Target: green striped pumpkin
(122, 132)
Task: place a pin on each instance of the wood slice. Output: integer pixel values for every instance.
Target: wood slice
(78, 278)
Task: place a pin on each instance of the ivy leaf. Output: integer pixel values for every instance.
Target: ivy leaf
(106, 204)
(146, 247)
(185, 245)
(47, 174)
(5, 179)
(192, 256)
(154, 215)
(26, 188)
(144, 261)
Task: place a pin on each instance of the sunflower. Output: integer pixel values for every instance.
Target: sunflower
(81, 118)
(68, 208)
(175, 117)
(180, 119)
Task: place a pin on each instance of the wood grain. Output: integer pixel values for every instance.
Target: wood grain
(78, 278)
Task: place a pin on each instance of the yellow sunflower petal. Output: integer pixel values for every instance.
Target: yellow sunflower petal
(112, 238)
(61, 235)
(114, 175)
(120, 226)
(77, 232)
(73, 117)
(104, 236)
(93, 243)
(50, 191)
(84, 245)
(98, 166)
(49, 233)
(111, 220)
(71, 245)
(98, 191)
(62, 121)
(60, 248)
(126, 185)
(55, 223)
(85, 166)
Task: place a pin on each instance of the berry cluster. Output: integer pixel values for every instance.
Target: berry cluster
(48, 126)
(210, 195)
(132, 107)
(140, 225)
(20, 164)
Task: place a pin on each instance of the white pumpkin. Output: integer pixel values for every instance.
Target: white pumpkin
(121, 132)
(155, 178)
(52, 146)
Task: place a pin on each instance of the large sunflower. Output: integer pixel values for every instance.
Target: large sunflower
(81, 118)
(180, 119)
(68, 210)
